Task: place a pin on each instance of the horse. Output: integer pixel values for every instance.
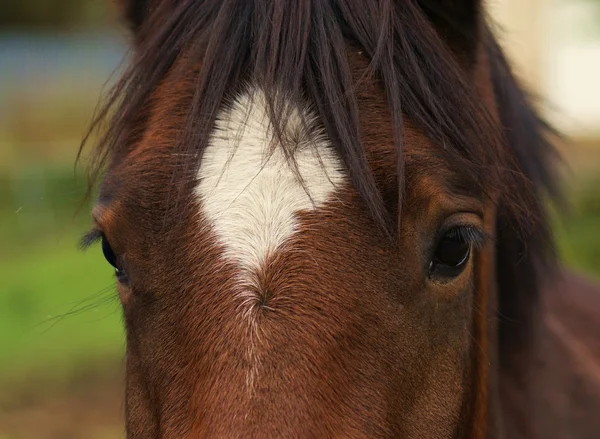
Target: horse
(328, 218)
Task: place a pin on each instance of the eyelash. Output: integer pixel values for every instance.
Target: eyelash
(470, 234)
(90, 238)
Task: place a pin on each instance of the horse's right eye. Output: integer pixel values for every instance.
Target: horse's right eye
(109, 254)
(113, 260)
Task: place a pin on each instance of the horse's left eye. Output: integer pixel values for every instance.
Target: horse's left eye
(451, 254)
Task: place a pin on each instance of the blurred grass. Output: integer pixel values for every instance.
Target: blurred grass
(58, 308)
(58, 14)
(578, 230)
(61, 337)
(55, 313)
(41, 130)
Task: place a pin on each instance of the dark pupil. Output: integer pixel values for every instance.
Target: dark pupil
(109, 254)
(452, 250)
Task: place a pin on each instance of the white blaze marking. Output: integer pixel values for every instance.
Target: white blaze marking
(251, 197)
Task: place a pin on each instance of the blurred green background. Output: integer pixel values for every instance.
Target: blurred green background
(61, 338)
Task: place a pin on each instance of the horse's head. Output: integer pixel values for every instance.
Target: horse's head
(315, 213)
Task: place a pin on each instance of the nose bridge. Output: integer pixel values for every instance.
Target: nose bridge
(296, 363)
(288, 375)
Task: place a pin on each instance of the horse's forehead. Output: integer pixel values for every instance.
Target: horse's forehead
(267, 192)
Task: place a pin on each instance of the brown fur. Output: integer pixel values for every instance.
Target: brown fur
(347, 336)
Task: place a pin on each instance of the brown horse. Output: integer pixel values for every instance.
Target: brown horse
(327, 220)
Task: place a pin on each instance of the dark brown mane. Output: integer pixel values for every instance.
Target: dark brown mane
(525, 247)
(301, 51)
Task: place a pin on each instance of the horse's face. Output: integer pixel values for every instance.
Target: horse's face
(261, 299)
(264, 305)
